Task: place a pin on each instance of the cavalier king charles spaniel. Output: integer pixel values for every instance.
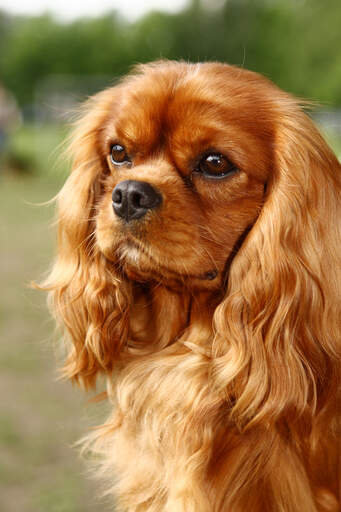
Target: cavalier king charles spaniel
(198, 270)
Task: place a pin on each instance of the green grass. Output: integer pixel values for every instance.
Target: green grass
(40, 418)
(334, 141)
(38, 149)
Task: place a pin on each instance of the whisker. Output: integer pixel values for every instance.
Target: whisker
(210, 257)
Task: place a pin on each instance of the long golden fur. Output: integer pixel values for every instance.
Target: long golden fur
(215, 317)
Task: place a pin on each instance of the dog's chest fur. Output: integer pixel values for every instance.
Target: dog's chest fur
(166, 408)
(168, 417)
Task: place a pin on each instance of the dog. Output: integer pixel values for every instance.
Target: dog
(198, 271)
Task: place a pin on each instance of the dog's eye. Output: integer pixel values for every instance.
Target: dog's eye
(216, 166)
(119, 155)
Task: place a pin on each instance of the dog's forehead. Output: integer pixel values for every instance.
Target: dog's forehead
(185, 104)
(147, 113)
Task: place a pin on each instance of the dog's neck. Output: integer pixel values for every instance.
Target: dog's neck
(160, 316)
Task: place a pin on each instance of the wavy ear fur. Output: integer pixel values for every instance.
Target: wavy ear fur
(87, 297)
(277, 346)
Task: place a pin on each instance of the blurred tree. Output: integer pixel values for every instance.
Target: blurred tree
(38, 47)
(296, 43)
(5, 22)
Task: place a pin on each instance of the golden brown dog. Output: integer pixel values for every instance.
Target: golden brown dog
(198, 269)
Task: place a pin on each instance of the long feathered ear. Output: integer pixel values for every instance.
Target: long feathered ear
(277, 347)
(88, 298)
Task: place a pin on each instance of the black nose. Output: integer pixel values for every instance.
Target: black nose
(133, 199)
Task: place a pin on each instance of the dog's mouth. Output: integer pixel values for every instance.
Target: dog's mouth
(139, 263)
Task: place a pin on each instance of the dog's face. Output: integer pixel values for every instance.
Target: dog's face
(186, 152)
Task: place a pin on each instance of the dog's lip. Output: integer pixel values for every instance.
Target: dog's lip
(130, 242)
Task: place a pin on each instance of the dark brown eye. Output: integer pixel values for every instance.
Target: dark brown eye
(216, 166)
(119, 155)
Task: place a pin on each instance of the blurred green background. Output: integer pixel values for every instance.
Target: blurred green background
(48, 66)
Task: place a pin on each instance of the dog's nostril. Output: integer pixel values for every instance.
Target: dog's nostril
(136, 200)
(117, 196)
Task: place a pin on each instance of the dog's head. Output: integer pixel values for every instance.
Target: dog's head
(184, 153)
(201, 177)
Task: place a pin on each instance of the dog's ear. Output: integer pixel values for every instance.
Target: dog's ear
(88, 298)
(278, 330)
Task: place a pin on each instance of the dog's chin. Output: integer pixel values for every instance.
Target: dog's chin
(139, 266)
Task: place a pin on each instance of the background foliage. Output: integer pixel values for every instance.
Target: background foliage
(294, 42)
